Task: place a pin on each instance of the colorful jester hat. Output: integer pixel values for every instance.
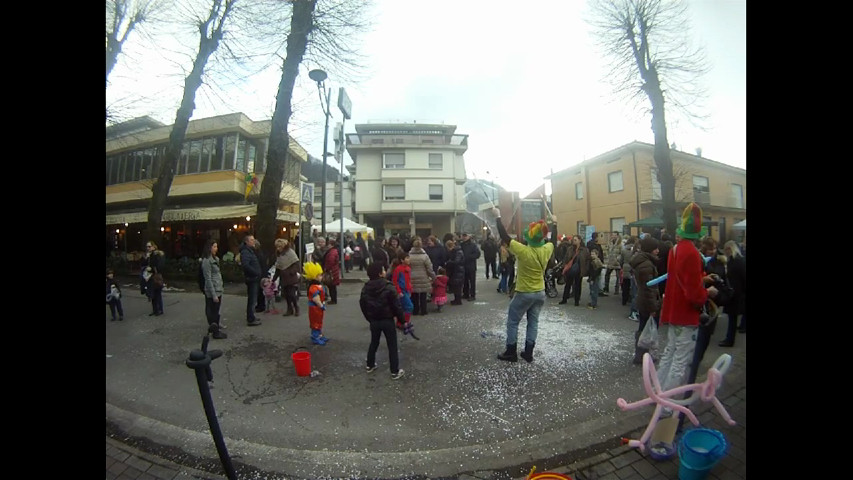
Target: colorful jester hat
(313, 271)
(691, 223)
(536, 234)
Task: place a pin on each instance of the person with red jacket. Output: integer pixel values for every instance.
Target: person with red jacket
(683, 299)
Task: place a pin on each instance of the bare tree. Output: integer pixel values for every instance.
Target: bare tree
(122, 17)
(210, 35)
(651, 59)
(319, 31)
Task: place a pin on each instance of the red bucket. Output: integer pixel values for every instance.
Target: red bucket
(302, 362)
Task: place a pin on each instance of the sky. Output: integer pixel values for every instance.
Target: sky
(524, 83)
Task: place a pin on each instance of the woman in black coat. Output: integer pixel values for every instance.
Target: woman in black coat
(156, 261)
(736, 278)
(455, 267)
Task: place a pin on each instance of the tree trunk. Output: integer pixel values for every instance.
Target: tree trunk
(163, 183)
(278, 160)
(663, 160)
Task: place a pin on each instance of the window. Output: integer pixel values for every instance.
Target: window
(128, 167)
(182, 160)
(436, 161)
(206, 149)
(398, 140)
(701, 193)
(318, 197)
(194, 157)
(614, 181)
(394, 192)
(251, 159)
(616, 224)
(578, 228)
(240, 166)
(737, 195)
(656, 188)
(218, 154)
(337, 195)
(377, 141)
(428, 141)
(436, 192)
(579, 190)
(230, 146)
(336, 213)
(394, 160)
(147, 159)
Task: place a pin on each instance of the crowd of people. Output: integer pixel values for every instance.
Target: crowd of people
(411, 276)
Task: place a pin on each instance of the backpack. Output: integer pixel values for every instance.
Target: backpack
(201, 276)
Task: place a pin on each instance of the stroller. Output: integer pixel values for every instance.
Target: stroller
(552, 274)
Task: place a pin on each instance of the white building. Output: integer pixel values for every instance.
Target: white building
(408, 177)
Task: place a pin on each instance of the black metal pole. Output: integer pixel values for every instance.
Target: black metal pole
(325, 146)
(200, 362)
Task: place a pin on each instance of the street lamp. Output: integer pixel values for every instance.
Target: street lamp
(320, 77)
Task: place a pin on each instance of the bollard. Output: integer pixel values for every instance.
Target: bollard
(200, 362)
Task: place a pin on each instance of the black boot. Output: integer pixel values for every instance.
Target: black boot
(510, 354)
(217, 332)
(639, 352)
(527, 354)
(296, 310)
(289, 311)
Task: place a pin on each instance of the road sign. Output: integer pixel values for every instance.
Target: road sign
(307, 192)
(309, 211)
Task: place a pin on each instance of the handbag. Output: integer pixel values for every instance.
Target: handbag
(327, 278)
(649, 336)
(157, 280)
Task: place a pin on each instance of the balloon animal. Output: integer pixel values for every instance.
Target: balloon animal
(662, 399)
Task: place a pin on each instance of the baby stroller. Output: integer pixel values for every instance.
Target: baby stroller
(552, 274)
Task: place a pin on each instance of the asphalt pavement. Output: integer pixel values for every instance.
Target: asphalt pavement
(457, 413)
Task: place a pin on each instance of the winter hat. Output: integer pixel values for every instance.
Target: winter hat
(691, 223)
(313, 271)
(648, 244)
(536, 233)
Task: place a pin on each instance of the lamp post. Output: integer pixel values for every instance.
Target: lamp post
(320, 77)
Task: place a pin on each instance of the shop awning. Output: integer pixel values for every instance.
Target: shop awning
(741, 225)
(199, 213)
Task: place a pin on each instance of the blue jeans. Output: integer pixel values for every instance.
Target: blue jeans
(252, 289)
(593, 292)
(521, 303)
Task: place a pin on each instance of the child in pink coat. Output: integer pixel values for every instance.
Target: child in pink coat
(439, 288)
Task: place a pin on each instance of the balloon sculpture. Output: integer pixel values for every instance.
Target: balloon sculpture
(706, 389)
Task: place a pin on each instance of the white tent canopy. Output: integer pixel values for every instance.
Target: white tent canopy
(352, 226)
(741, 225)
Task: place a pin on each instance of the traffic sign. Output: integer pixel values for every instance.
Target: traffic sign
(307, 192)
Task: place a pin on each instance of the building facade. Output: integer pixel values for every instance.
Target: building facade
(215, 189)
(408, 177)
(620, 187)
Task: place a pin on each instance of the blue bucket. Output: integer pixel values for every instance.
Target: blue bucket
(699, 450)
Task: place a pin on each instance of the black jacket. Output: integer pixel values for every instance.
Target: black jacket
(437, 255)
(472, 253)
(455, 266)
(249, 262)
(490, 248)
(379, 301)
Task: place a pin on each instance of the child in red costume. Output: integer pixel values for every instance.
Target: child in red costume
(402, 279)
(316, 301)
(684, 297)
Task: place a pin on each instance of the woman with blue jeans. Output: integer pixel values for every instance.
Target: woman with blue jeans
(529, 286)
